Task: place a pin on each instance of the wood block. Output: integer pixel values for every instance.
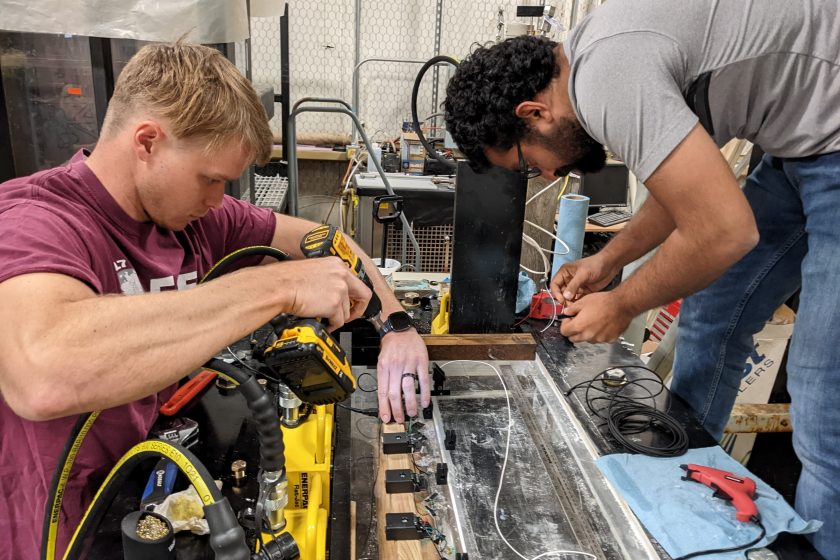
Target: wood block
(514, 346)
(353, 529)
(759, 418)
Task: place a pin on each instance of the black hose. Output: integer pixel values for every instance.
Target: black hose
(227, 539)
(260, 401)
(256, 402)
(416, 120)
(52, 510)
(224, 264)
(626, 415)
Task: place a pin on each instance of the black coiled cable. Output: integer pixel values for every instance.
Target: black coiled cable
(626, 416)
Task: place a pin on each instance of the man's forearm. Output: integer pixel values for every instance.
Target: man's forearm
(648, 229)
(289, 233)
(103, 351)
(683, 265)
(711, 223)
(390, 304)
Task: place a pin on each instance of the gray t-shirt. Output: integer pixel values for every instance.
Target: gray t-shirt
(774, 64)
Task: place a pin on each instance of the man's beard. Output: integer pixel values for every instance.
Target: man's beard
(570, 141)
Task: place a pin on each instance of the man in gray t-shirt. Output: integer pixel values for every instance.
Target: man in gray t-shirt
(664, 84)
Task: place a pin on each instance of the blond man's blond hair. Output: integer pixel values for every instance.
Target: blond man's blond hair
(199, 92)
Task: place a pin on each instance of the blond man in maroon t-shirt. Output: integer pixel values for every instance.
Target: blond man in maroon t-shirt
(99, 263)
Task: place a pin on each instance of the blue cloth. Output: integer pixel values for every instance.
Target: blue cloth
(524, 291)
(683, 515)
(795, 204)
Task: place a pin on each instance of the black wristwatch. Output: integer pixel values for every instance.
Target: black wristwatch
(399, 321)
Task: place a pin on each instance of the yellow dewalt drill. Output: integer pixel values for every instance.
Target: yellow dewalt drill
(326, 241)
(305, 355)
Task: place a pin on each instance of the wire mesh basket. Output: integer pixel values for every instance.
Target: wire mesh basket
(269, 192)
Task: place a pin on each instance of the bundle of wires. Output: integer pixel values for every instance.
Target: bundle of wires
(347, 194)
(428, 519)
(626, 416)
(546, 272)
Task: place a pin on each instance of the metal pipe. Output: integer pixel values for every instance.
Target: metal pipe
(357, 56)
(290, 140)
(303, 100)
(285, 93)
(436, 69)
(247, 43)
(357, 40)
(293, 172)
(404, 252)
(291, 153)
(573, 18)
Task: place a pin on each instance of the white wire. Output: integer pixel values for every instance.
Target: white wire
(530, 241)
(502, 475)
(542, 229)
(548, 252)
(553, 310)
(350, 176)
(551, 184)
(346, 189)
(526, 269)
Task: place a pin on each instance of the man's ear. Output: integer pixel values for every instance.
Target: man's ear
(536, 114)
(147, 138)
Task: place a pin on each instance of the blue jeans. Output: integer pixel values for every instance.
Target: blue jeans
(796, 203)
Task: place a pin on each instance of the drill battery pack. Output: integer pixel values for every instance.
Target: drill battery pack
(309, 360)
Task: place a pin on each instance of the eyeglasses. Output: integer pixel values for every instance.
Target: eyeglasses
(529, 172)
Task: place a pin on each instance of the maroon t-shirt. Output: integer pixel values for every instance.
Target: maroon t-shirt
(64, 221)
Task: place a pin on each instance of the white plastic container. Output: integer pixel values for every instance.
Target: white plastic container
(391, 266)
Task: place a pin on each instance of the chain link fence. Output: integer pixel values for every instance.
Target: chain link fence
(322, 57)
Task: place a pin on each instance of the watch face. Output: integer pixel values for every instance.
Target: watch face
(400, 321)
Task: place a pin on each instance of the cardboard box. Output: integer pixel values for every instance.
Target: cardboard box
(760, 374)
(412, 154)
(660, 322)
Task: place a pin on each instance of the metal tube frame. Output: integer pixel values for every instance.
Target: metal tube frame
(573, 17)
(291, 136)
(436, 69)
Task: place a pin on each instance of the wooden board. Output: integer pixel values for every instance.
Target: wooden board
(541, 212)
(352, 528)
(320, 154)
(517, 346)
(759, 418)
(397, 503)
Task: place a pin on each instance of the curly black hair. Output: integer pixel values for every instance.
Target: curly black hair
(482, 96)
